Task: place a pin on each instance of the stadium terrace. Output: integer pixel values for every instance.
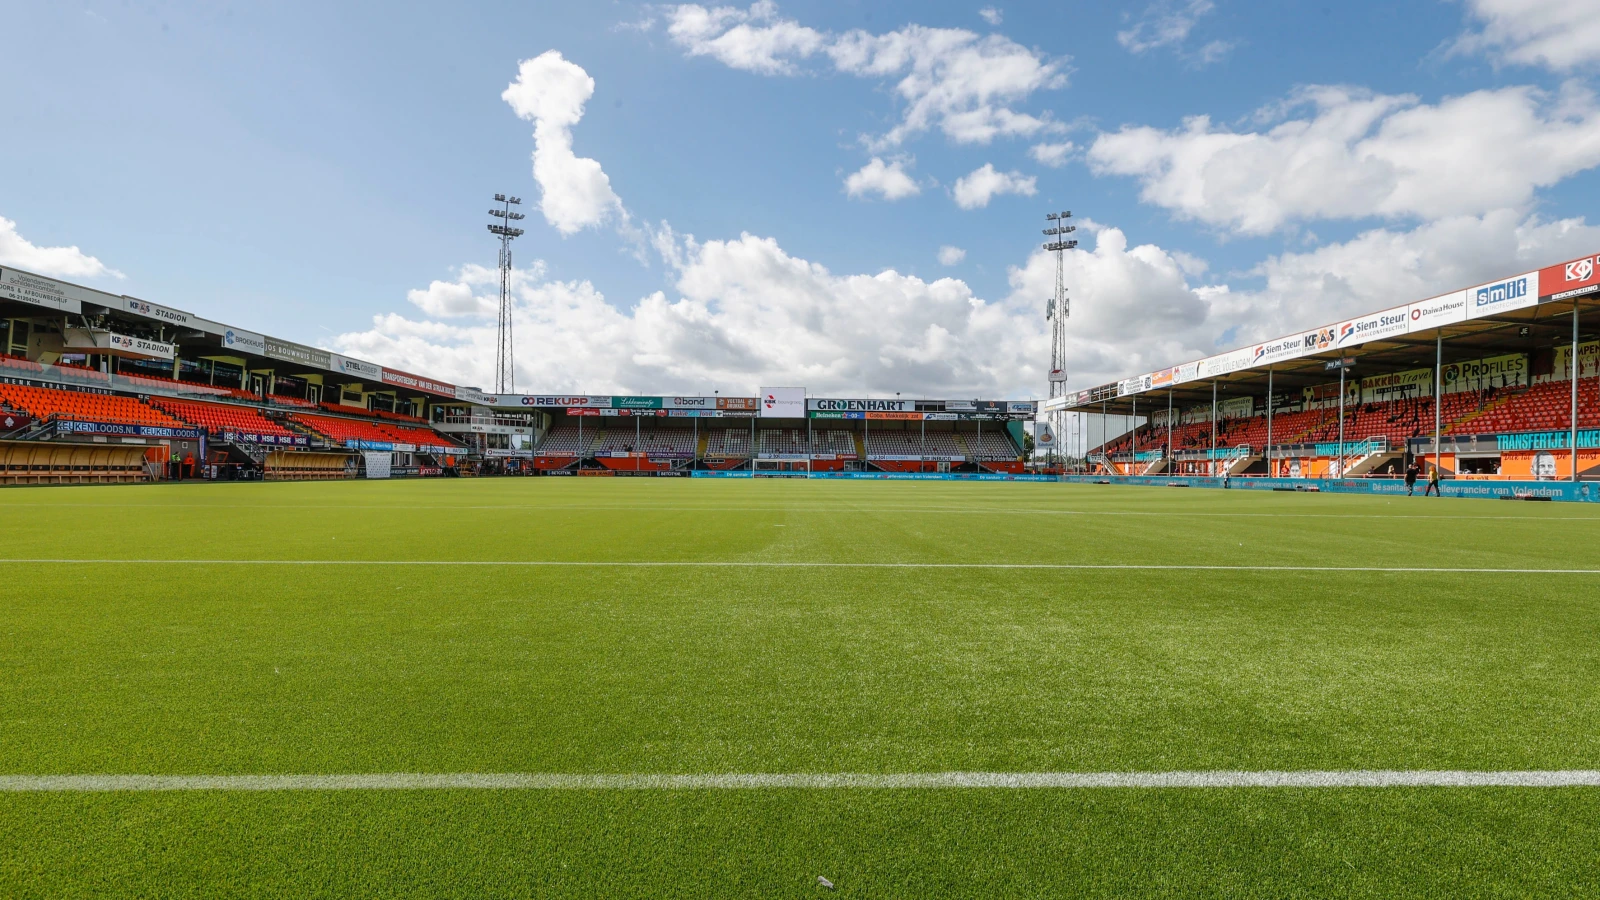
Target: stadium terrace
(96, 387)
(1493, 383)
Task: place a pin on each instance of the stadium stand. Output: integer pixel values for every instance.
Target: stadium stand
(992, 447)
(665, 442)
(911, 443)
(82, 406)
(728, 443)
(840, 443)
(341, 430)
(220, 417)
(564, 440)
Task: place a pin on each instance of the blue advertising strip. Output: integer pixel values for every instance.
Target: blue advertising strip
(358, 444)
(711, 473)
(1582, 492)
(250, 437)
(934, 476)
(65, 426)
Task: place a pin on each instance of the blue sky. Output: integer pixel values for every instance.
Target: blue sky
(322, 172)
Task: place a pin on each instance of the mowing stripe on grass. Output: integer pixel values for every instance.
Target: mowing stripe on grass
(412, 781)
(778, 564)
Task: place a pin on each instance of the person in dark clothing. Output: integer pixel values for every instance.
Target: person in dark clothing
(1411, 479)
(1433, 482)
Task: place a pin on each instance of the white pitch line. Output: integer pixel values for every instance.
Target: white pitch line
(413, 781)
(774, 564)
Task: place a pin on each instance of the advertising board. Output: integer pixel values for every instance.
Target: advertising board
(1503, 296)
(1383, 324)
(288, 351)
(26, 287)
(114, 344)
(241, 341)
(1446, 309)
(1576, 278)
(347, 366)
(417, 382)
(783, 403)
(168, 314)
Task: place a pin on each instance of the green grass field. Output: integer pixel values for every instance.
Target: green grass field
(114, 663)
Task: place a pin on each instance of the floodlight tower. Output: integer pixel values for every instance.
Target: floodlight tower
(505, 375)
(1059, 308)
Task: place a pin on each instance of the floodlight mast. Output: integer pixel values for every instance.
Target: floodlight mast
(1059, 308)
(505, 374)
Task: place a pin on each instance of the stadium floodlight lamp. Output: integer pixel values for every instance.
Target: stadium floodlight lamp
(500, 197)
(515, 200)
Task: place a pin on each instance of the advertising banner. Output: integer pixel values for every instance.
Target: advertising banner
(379, 465)
(1024, 408)
(1372, 327)
(1588, 357)
(1236, 408)
(168, 314)
(250, 437)
(749, 403)
(1432, 313)
(907, 416)
(1570, 279)
(1133, 385)
(1277, 351)
(636, 402)
(861, 405)
(38, 290)
(567, 402)
(241, 341)
(347, 366)
(146, 431)
(961, 405)
(1162, 378)
(1397, 386)
(1503, 296)
(113, 344)
(689, 402)
(1510, 370)
(783, 403)
(289, 351)
(407, 380)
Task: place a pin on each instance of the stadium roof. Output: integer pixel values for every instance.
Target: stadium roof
(1522, 313)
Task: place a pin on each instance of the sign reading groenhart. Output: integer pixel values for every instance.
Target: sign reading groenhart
(827, 405)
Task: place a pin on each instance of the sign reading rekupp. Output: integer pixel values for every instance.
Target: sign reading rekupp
(783, 403)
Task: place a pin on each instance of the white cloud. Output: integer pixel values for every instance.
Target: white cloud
(950, 256)
(1557, 34)
(991, 15)
(1052, 155)
(1383, 267)
(754, 40)
(952, 79)
(61, 262)
(887, 180)
(1357, 154)
(976, 188)
(1167, 23)
(551, 92)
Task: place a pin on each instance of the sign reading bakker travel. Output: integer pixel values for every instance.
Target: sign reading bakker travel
(1576, 278)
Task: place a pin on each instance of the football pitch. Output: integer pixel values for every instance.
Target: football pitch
(663, 687)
